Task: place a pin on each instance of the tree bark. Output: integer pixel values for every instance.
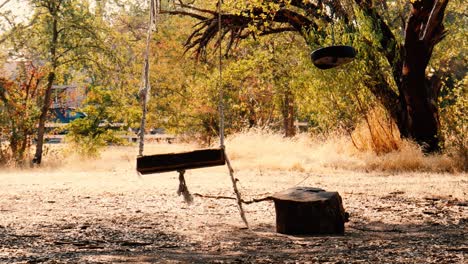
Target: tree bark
(420, 114)
(42, 119)
(309, 211)
(288, 114)
(48, 93)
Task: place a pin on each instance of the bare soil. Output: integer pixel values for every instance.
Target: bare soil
(74, 215)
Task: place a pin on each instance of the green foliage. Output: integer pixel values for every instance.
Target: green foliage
(104, 51)
(448, 65)
(455, 122)
(78, 47)
(176, 80)
(65, 32)
(101, 125)
(256, 79)
(339, 97)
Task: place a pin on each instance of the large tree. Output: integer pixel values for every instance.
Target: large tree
(410, 96)
(62, 33)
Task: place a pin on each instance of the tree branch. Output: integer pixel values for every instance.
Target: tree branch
(434, 30)
(237, 24)
(183, 13)
(17, 27)
(4, 3)
(277, 30)
(391, 49)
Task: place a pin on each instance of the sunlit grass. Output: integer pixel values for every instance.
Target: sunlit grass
(264, 162)
(269, 151)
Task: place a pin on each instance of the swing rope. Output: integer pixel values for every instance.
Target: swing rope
(146, 87)
(221, 117)
(144, 94)
(183, 189)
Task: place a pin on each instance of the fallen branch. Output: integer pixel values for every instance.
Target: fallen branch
(377, 230)
(220, 197)
(135, 243)
(25, 235)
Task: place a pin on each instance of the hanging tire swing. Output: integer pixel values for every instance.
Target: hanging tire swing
(332, 56)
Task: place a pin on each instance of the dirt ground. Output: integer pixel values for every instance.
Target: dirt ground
(110, 215)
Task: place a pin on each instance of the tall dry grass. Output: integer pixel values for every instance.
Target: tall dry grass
(271, 151)
(265, 151)
(377, 132)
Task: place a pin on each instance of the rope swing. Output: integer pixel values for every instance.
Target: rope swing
(221, 117)
(188, 160)
(155, 6)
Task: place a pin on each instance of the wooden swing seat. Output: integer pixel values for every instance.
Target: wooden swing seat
(181, 161)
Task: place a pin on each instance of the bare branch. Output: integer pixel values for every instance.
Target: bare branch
(434, 29)
(235, 26)
(277, 30)
(184, 13)
(4, 3)
(185, 6)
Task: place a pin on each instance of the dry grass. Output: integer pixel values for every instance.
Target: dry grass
(64, 157)
(377, 132)
(268, 151)
(334, 160)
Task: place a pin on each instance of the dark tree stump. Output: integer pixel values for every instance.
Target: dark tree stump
(309, 211)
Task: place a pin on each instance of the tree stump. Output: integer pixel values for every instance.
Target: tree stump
(309, 211)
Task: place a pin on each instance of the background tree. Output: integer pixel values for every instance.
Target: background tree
(111, 80)
(269, 81)
(19, 107)
(63, 32)
(408, 95)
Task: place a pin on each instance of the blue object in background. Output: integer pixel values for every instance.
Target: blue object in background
(65, 115)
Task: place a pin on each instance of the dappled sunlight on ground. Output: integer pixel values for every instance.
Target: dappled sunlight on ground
(115, 216)
(98, 210)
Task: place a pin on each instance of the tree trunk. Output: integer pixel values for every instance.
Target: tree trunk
(420, 117)
(50, 81)
(309, 211)
(288, 114)
(42, 119)
(252, 114)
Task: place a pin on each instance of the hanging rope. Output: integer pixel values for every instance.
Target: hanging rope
(221, 117)
(144, 93)
(183, 190)
(220, 79)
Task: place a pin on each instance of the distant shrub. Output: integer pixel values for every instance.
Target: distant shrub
(87, 137)
(454, 121)
(98, 129)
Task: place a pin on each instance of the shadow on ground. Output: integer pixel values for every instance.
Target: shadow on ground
(373, 242)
